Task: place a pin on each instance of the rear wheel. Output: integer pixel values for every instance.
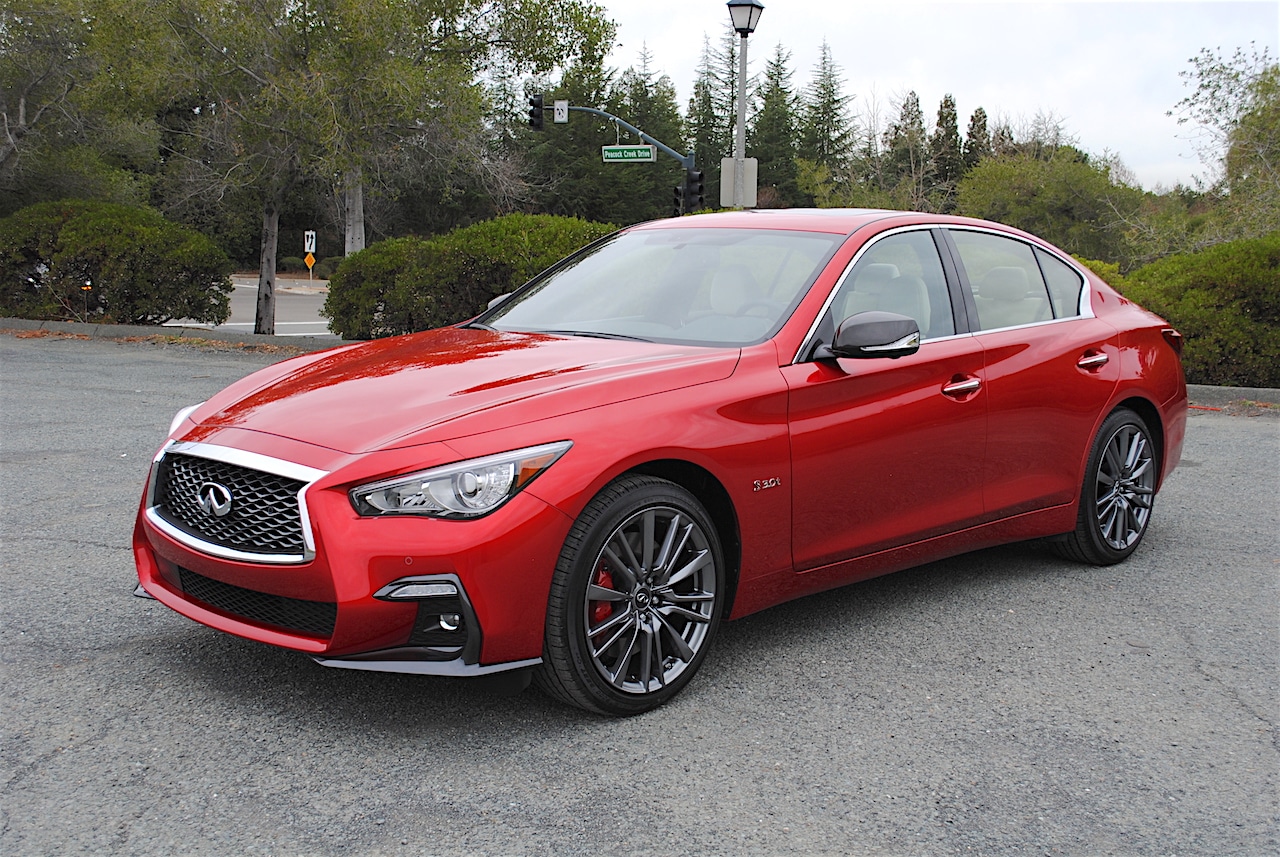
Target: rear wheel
(1116, 498)
(635, 601)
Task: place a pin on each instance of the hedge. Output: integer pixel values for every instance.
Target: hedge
(1226, 303)
(95, 261)
(405, 285)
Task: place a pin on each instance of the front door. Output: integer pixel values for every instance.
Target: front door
(886, 452)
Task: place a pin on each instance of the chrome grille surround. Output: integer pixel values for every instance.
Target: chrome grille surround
(278, 527)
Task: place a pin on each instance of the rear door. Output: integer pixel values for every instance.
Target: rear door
(1050, 367)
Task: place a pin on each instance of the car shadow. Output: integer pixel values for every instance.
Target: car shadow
(253, 677)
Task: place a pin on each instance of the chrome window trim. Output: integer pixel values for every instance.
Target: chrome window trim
(1047, 321)
(251, 461)
(807, 343)
(1085, 308)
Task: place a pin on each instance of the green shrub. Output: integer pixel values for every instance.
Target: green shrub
(291, 264)
(96, 261)
(1226, 303)
(410, 284)
(324, 269)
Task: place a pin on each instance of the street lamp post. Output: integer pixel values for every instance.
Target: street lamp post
(745, 15)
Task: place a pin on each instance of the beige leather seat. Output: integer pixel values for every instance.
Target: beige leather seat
(1004, 298)
(879, 286)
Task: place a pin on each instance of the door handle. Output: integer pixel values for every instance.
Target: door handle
(1093, 361)
(959, 389)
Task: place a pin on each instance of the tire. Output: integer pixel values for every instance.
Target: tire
(1118, 491)
(647, 551)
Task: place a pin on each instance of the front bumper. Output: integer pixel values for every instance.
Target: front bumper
(339, 606)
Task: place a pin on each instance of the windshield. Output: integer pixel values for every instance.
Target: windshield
(693, 285)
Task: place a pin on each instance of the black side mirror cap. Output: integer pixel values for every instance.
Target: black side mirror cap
(873, 334)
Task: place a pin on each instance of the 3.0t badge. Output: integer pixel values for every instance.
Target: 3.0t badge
(214, 499)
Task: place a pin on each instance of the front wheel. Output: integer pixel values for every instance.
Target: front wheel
(1116, 498)
(636, 599)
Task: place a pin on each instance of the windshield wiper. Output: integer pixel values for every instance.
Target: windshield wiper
(593, 334)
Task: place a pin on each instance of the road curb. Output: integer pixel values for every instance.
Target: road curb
(123, 331)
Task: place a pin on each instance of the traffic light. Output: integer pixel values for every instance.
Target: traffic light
(693, 190)
(678, 208)
(535, 112)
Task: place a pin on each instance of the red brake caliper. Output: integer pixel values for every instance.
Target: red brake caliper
(601, 610)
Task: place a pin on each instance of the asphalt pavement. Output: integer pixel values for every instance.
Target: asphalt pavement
(1007, 702)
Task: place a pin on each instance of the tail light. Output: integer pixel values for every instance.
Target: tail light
(1174, 339)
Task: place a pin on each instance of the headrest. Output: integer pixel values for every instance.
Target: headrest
(872, 278)
(1004, 284)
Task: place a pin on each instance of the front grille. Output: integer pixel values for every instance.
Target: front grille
(315, 618)
(263, 518)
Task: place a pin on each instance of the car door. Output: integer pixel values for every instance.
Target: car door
(1050, 367)
(886, 451)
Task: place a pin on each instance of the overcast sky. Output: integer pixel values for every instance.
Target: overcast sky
(1108, 70)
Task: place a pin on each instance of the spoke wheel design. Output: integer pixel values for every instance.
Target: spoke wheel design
(650, 600)
(1126, 483)
(635, 601)
(1119, 489)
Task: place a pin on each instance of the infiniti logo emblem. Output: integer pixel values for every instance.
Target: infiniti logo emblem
(214, 499)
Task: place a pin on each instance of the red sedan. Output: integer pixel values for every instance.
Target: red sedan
(685, 422)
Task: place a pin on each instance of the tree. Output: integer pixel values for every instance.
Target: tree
(977, 140)
(826, 128)
(946, 156)
(42, 59)
(772, 135)
(567, 175)
(906, 146)
(710, 117)
(61, 134)
(649, 103)
(1063, 198)
(296, 90)
(1235, 109)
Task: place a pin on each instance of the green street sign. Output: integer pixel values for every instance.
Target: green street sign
(628, 154)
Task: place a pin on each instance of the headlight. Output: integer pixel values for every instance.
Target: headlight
(182, 415)
(468, 489)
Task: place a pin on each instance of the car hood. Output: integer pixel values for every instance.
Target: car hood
(447, 383)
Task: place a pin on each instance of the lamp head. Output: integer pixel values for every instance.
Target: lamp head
(745, 15)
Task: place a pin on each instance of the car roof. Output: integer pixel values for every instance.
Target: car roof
(843, 221)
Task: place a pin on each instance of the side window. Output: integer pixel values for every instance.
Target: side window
(901, 273)
(1008, 288)
(1064, 284)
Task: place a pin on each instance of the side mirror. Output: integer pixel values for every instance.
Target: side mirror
(873, 334)
(499, 299)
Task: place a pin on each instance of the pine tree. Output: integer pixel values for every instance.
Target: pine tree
(565, 166)
(907, 151)
(772, 136)
(977, 141)
(946, 156)
(826, 128)
(649, 103)
(710, 117)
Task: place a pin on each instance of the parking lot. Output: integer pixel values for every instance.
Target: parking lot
(1004, 702)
